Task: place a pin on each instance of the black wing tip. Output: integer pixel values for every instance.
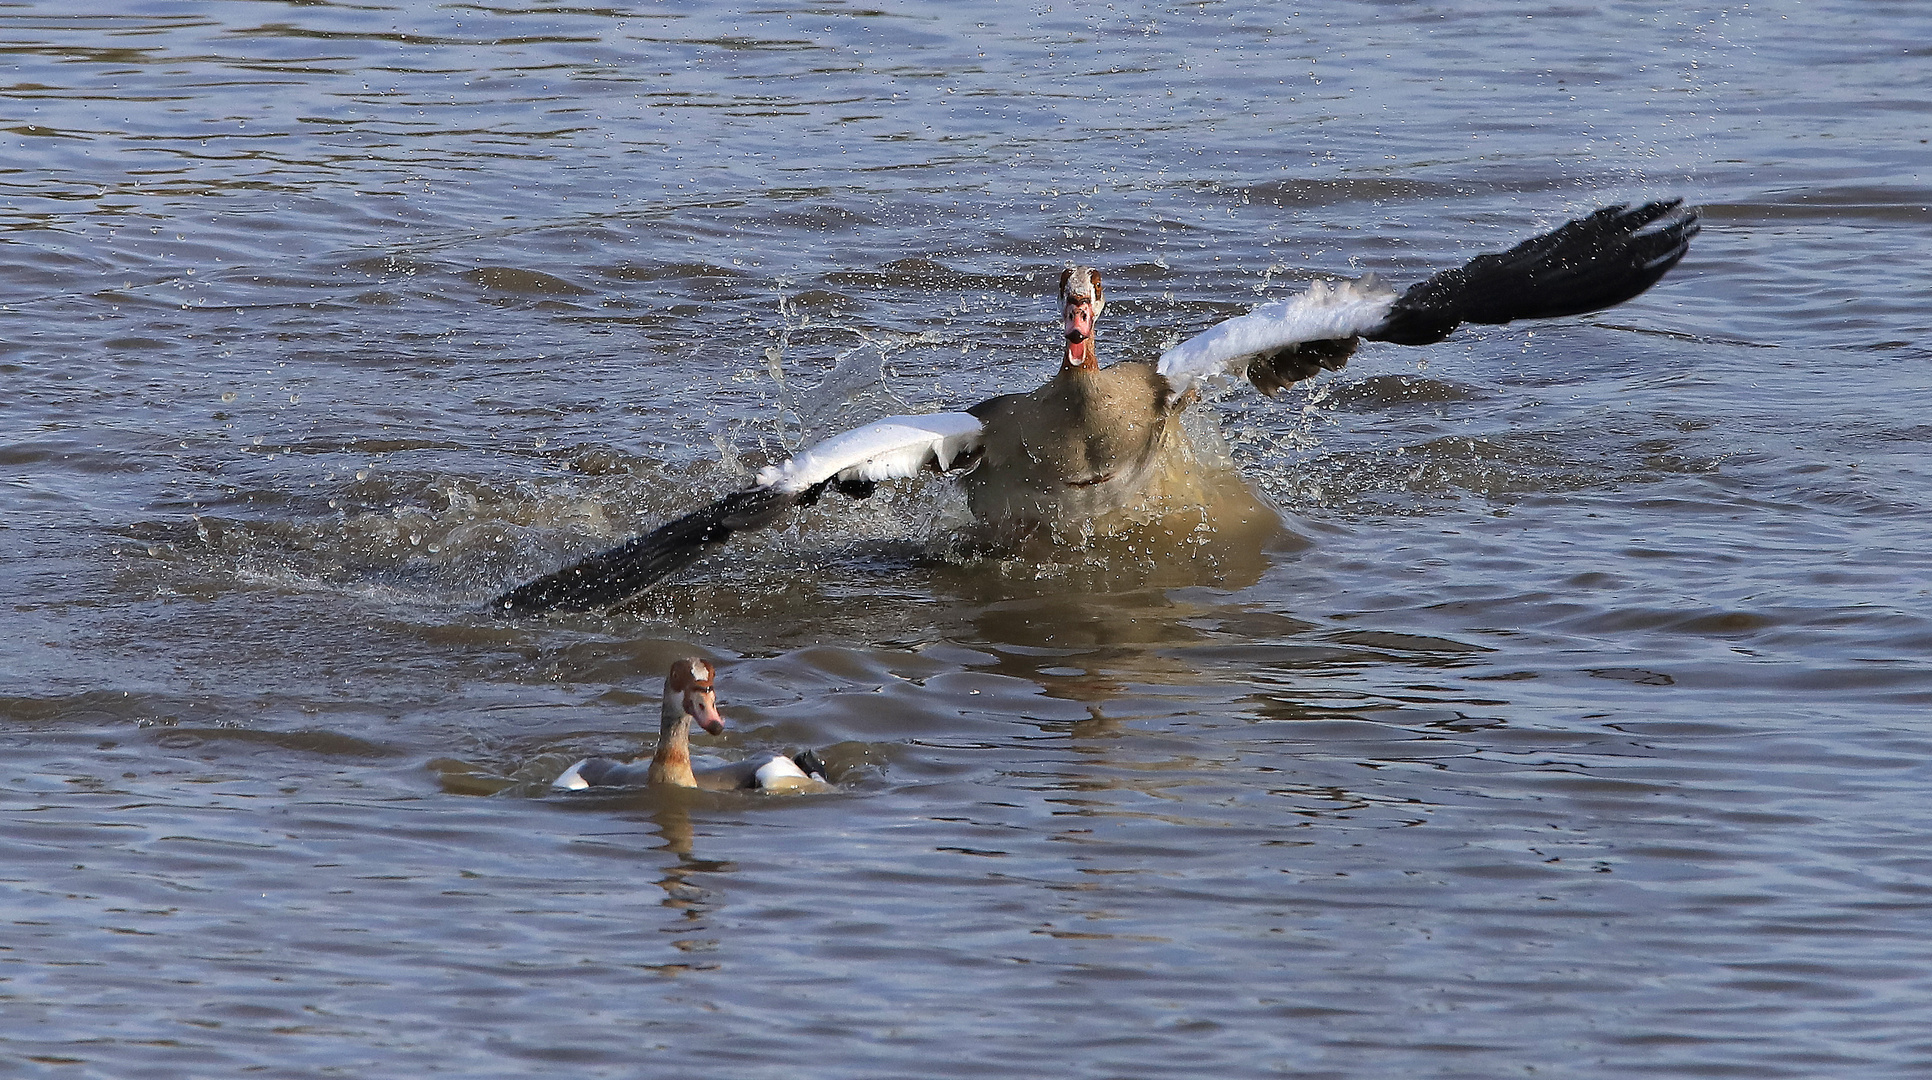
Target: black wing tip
(810, 764)
(550, 593)
(616, 574)
(1635, 216)
(582, 586)
(1679, 223)
(1602, 259)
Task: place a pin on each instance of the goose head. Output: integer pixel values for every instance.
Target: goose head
(1081, 301)
(688, 694)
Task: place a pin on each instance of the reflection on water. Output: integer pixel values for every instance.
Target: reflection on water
(1565, 718)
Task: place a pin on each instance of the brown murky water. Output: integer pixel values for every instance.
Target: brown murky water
(1574, 725)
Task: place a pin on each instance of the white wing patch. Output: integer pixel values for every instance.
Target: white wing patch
(1325, 311)
(890, 449)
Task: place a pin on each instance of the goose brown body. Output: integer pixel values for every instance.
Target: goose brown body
(1097, 450)
(1085, 444)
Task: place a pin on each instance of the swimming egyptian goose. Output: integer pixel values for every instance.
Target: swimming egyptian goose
(690, 696)
(1095, 446)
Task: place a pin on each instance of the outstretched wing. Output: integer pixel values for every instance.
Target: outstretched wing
(854, 463)
(1587, 265)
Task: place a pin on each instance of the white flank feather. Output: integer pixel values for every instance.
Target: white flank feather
(1325, 311)
(890, 449)
(573, 778)
(780, 768)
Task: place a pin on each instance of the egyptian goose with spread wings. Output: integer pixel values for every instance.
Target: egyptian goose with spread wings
(1095, 446)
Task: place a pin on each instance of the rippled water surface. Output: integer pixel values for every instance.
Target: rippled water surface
(1575, 724)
